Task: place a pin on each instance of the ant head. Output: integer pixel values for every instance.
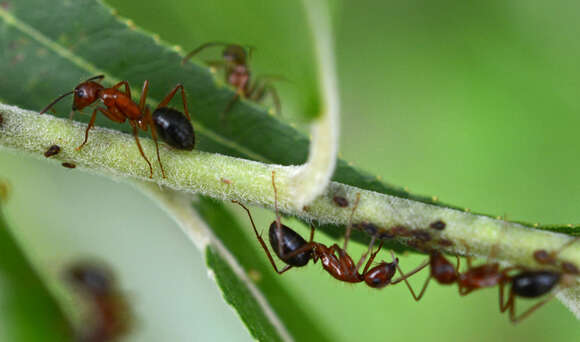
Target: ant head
(90, 277)
(85, 94)
(381, 275)
(235, 54)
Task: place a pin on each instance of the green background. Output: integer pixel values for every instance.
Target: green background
(476, 104)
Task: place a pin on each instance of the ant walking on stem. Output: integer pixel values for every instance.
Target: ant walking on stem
(291, 248)
(237, 74)
(119, 107)
(526, 284)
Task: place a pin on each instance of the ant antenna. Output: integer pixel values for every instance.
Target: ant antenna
(251, 50)
(349, 227)
(98, 77)
(55, 101)
(200, 48)
(278, 223)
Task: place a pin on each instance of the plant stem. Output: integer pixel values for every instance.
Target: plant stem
(115, 154)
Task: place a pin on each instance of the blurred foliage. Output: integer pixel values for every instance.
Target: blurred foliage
(476, 103)
(28, 311)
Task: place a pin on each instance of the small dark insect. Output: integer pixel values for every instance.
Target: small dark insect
(174, 128)
(69, 165)
(421, 235)
(291, 248)
(369, 228)
(438, 225)
(237, 74)
(109, 314)
(52, 151)
(1, 119)
(119, 107)
(340, 201)
(551, 258)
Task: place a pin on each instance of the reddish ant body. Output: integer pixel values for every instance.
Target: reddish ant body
(109, 312)
(525, 284)
(237, 74)
(119, 107)
(291, 248)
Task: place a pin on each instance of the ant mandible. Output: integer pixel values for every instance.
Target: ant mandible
(291, 248)
(120, 108)
(237, 74)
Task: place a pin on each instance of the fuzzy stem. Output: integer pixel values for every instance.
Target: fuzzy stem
(114, 154)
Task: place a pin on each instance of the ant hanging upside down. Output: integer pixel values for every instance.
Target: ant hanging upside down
(119, 107)
(237, 74)
(291, 248)
(525, 284)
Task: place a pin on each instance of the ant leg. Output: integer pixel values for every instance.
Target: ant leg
(504, 305)
(276, 98)
(529, 311)
(89, 126)
(123, 83)
(143, 99)
(262, 241)
(349, 227)
(170, 96)
(216, 64)
(364, 255)
(149, 122)
(464, 291)
(136, 135)
(373, 255)
(239, 93)
(110, 115)
(404, 278)
(199, 48)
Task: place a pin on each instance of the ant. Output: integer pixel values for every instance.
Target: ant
(237, 74)
(534, 284)
(110, 313)
(291, 248)
(525, 284)
(119, 107)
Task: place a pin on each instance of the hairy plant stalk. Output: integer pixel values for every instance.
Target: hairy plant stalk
(115, 154)
(311, 179)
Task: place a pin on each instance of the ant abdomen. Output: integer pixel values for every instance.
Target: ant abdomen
(381, 275)
(291, 242)
(174, 128)
(532, 284)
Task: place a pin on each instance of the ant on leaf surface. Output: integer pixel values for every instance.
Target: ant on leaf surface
(119, 107)
(237, 74)
(291, 248)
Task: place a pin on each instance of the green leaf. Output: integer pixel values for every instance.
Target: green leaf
(296, 319)
(28, 310)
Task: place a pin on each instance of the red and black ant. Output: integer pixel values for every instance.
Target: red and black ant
(119, 107)
(525, 284)
(291, 248)
(237, 74)
(534, 284)
(109, 313)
